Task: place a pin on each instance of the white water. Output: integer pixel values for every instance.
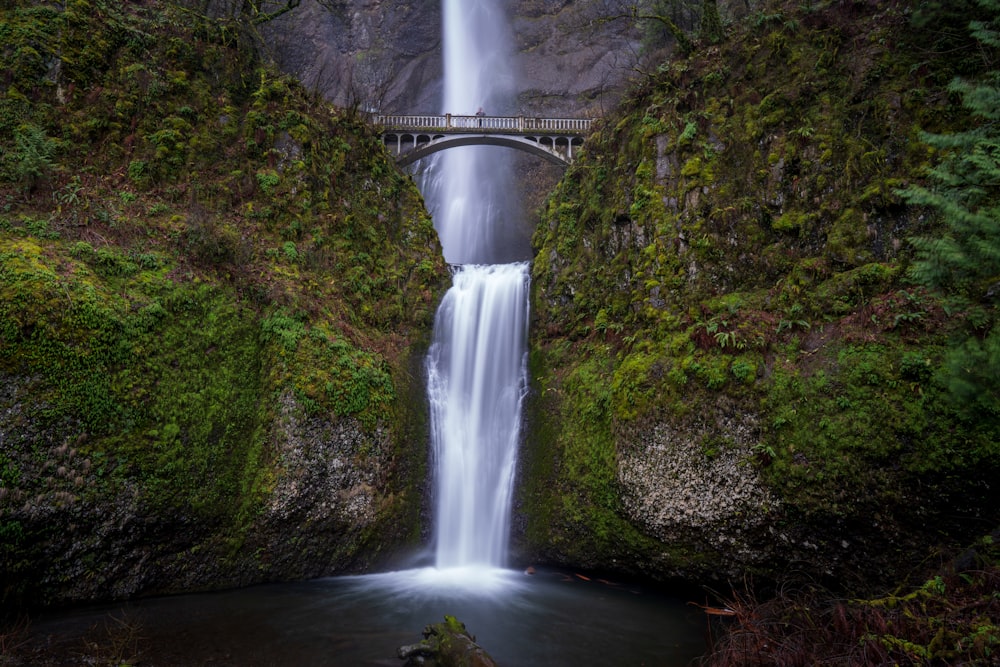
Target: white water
(476, 366)
(476, 379)
(469, 190)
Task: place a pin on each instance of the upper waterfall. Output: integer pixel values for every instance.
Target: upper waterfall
(470, 190)
(476, 367)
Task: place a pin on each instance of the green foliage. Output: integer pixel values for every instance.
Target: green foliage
(213, 243)
(10, 475)
(268, 180)
(688, 133)
(138, 172)
(99, 357)
(632, 388)
(284, 329)
(972, 374)
(333, 376)
(965, 191)
(364, 384)
(744, 370)
(32, 158)
(589, 454)
(877, 406)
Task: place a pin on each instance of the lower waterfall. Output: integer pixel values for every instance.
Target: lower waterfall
(476, 381)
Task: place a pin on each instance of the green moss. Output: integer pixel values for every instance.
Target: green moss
(632, 387)
(875, 408)
(791, 221)
(844, 292)
(847, 240)
(232, 241)
(99, 358)
(758, 258)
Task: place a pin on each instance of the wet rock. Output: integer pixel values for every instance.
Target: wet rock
(446, 644)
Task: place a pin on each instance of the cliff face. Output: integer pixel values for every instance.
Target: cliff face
(212, 291)
(387, 56)
(367, 53)
(733, 374)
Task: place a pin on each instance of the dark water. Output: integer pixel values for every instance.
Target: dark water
(547, 619)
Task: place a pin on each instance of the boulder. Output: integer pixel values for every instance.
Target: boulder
(446, 644)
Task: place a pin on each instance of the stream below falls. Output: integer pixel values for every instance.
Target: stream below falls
(545, 619)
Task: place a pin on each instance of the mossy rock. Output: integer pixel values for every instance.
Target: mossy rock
(446, 644)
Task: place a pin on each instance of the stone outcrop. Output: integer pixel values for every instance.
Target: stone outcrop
(679, 488)
(334, 506)
(446, 644)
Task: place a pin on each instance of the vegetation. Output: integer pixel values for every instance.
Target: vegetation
(965, 191)
(447, 644)
(735, 236)
(949, 619)
(188, 242)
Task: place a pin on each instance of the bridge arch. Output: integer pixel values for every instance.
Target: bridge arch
(557, 150)
(413, 137)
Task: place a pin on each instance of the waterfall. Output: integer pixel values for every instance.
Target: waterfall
(476, 367)
(470, 188)
(476, 381)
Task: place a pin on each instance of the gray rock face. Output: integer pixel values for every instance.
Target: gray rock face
(387, 56)
(677, 491)
(365, 53)
(568, 63)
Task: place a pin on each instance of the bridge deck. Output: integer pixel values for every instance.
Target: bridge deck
(456, 124)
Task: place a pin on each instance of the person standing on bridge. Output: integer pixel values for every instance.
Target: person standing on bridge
(479, 116)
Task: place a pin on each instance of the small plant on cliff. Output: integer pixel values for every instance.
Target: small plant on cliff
(32, 157)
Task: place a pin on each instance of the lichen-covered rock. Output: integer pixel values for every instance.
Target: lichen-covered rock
(676, 483)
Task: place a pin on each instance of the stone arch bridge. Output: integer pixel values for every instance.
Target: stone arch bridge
(411, 138)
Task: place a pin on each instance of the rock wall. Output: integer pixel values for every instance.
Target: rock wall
(731, 377)
(387, 56)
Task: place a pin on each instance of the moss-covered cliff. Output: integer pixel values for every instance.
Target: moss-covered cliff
(211, 289)
(743, 379)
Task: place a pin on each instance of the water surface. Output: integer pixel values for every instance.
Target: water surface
(548, 619)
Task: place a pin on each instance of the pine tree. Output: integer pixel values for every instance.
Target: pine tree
(965, 191)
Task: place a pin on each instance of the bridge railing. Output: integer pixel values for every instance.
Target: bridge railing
(460, 123)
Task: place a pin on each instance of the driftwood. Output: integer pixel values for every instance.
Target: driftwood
(446, 644)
